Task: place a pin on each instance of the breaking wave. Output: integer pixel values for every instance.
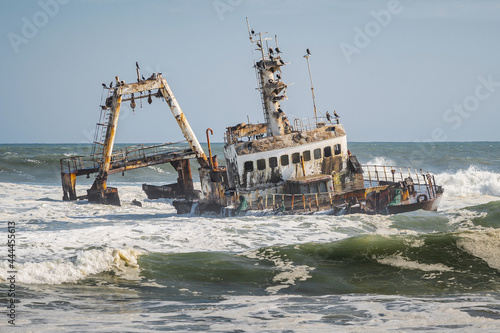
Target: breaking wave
(379, 160)
(396, 264)
(470, 182)
(122, 262)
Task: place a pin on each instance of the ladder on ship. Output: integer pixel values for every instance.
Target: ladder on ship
(101, 131)
(262, 97)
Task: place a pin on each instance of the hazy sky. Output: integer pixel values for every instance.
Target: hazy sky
(425, 70)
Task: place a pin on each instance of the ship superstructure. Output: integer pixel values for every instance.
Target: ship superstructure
(278, 157)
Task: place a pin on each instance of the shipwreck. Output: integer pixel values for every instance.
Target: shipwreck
(277, 166)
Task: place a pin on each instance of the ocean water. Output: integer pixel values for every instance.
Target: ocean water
(91, 268)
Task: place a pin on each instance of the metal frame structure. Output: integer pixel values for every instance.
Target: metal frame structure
(106, 163)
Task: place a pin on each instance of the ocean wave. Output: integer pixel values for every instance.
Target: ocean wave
(484, 244)
(380, 160)
(401, 264)
(288, 273)
(471, 182)
(123, 262)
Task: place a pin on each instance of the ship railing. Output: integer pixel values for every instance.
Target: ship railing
(142, 152)
(338, 195)
(91, 163)
(77, 164)
(307, 124)
(374, 175)
(293, 202)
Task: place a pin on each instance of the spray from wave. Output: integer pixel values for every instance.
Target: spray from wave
(470, 182)
(380, 160)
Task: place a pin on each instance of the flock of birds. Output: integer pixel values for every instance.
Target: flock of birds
(277, 49)
(122, 83)
(271, 53)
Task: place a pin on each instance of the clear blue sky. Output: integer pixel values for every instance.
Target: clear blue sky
(394, 70)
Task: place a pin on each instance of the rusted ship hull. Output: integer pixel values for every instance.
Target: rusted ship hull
(429, 205)
(194, 207)
(385, 197)
(169, 191)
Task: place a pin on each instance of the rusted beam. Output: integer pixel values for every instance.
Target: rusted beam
(101, 179)
(149, 84)
(185, 178)
(184, 125)
(68, 185)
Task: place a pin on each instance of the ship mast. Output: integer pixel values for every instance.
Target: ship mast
(312, 86)
(272, 89)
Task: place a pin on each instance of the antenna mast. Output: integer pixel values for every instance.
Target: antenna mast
(271, 88)
(312, 86)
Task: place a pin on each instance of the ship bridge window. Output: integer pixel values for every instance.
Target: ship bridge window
(317, 154)
(295, 158)
(307, 155)
(284, 160)
(261, 164)
(328, 151)
(337, 150)
(273, 162)
(248, 166)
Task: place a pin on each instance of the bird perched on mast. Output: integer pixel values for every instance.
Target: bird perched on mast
(336, 116)
(137, 65)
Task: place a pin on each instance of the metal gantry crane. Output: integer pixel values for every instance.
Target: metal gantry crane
(104, 162)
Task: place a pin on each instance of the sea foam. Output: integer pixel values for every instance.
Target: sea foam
(484, 244)
(470, 182)
(123, 262)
